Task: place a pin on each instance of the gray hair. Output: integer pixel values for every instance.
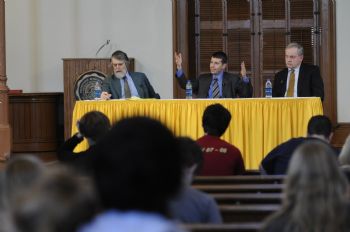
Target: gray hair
(298, 46)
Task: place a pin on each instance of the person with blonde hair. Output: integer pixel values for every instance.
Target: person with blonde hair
(344, 157)
(315, 196)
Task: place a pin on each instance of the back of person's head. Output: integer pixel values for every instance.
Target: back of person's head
(344, 156)
(320, 125)
(138, 166)
(220, 55)
(21, 174)
(61, 201)
(216, 119)
(191, 152)
(315, 193)
(94, 125)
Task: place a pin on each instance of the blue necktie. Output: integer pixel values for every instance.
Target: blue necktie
(216, 89)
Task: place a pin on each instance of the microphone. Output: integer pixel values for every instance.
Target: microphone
(102, 46)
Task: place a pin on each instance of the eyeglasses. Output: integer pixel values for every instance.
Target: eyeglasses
(118, 64)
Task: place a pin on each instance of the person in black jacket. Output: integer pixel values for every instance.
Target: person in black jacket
(92, 126)
(297, 79)
(228, 84)
(277, 160)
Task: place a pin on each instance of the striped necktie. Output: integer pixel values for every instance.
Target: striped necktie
(290, 91)
(127, 92)
(216, 89)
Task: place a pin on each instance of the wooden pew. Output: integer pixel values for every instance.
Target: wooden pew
(271, 179)
(247, 198)
(240, 188)
(247, 213)
(227, 227)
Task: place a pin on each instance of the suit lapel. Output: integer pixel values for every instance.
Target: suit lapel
(207, 82)
(138, 84)
(225, 85)
(301, 79)
(117, 86)
(283, 81)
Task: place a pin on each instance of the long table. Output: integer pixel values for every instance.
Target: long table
(257, 125)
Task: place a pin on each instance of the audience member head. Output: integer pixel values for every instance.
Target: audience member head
(320, 126)
(61, 201)
(344, 157)
(93, 126)
(21, 174)
(216, 119)
(120, 62)
(192, 158)
(138, 166)
(316, 190)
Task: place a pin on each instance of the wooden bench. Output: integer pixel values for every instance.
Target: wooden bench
(247, 198)
(240, 188)
(227, 227)
(272, 179)
(247, 213)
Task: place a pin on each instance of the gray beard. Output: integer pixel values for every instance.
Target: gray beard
(119, 75)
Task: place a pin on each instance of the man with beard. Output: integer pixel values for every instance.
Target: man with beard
(124, 84)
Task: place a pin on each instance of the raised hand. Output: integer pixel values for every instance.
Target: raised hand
(243, 69)
(178, 60)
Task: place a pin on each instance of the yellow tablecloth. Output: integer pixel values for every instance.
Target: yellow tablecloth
(257, 125)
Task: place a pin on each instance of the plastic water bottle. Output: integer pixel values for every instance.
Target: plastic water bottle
(97, 90)
(268, 88)
(188, 90)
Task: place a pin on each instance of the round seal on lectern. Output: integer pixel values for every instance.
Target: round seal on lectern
(84, 86)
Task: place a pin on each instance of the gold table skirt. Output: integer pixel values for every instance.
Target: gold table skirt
(257, 124)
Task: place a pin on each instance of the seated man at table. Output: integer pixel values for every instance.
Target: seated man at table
(217, 83)
(297, 79)
(220, 157)
(124, 84)
(276, 161)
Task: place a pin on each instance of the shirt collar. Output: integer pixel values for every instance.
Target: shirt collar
(219, 76)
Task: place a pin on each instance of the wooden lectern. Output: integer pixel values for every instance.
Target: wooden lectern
(73, 70)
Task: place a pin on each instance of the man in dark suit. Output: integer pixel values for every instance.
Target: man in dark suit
(298, 79)
(124, 84)
(277, 160)
(217, 83)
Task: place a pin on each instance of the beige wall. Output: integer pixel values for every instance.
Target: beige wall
(41, 32)
(343, 60)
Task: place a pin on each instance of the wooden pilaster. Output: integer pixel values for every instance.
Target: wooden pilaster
(5, 132)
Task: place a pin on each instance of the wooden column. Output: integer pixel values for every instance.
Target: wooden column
(5, 143)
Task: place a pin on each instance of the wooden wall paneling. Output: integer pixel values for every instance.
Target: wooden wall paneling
(35, 121)
(341, 132)
(328, 57)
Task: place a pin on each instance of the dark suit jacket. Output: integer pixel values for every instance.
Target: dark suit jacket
(81, 161)
(310, 83)
(277, 160)
(232, 87)
(144, 88)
